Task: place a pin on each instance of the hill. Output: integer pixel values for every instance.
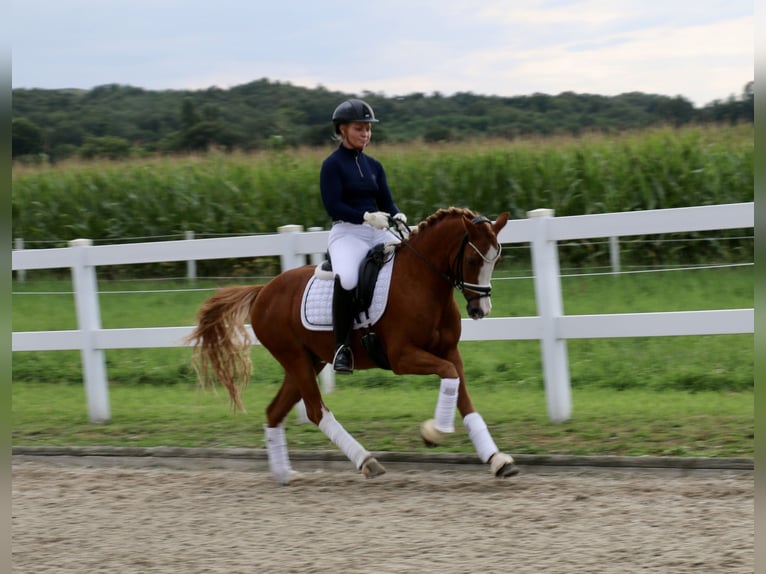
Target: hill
(116, 121)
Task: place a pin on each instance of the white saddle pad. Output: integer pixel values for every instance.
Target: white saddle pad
(316, 306)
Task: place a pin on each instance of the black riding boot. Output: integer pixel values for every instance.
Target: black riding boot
(343, 322)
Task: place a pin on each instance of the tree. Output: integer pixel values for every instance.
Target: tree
(27, 138)
(678, 110)
(246, 116)
(748, 101)
(108, 147)
(189, 115)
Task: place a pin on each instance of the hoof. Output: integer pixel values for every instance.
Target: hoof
(284, 479)
(502, 466)
(430, 434)
(372, 468)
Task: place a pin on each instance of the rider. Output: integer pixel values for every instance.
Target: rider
(357, 198)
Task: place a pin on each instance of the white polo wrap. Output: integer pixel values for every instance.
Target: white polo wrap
(479, 435)
(444, 415)
(355, 452)
(279, 460)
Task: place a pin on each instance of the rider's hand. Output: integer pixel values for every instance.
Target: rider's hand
(400, 217)
(378, 219)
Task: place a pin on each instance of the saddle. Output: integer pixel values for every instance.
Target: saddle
(363, 294)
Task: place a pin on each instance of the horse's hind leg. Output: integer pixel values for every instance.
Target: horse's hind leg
(355, 452)
(276, 442)
(285, 399)
(304, 377)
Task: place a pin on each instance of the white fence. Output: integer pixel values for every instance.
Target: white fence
(551, 327)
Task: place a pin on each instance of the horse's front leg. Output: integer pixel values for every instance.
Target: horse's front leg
(453, 394)
(416, 361)
(501, 464)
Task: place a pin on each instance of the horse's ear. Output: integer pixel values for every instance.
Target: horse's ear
(500, 222)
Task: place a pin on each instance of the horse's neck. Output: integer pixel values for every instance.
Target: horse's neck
(437, 246)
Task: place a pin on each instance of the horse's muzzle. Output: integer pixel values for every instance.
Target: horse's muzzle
(475, 314)
(478, 308)
(479, 304)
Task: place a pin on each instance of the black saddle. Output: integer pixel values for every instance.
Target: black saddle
(369, 269)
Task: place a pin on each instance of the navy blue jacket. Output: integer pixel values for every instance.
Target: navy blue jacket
(351, 183)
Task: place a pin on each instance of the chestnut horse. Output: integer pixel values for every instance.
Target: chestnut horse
(418, 332)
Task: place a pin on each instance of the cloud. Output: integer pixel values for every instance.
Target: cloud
(657, 60)
(661, 59)
(703, 50)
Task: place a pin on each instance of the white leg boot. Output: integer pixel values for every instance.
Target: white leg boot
(433, 430)
(500, 464)
(279, 460)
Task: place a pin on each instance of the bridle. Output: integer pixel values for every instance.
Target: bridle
(455, 277)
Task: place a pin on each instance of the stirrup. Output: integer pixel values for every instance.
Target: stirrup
(343, 361)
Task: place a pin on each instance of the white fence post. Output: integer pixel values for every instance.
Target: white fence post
(89, 321)
(288, 256)
(290, 260)
(191, 264)
(327, 375)
(614, 253)
(545, 263)
(21, 274)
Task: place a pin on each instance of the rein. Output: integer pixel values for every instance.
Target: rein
(456, 278)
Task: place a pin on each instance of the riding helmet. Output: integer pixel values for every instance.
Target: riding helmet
(353, 110)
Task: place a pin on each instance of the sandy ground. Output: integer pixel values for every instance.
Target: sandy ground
(123, 520)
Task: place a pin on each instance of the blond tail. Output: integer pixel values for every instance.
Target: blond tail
(221, 341)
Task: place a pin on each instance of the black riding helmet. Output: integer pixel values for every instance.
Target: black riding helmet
(352, 110)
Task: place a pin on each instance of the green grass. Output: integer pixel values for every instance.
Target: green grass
(605, 422)
(689, 396)
(722, 362)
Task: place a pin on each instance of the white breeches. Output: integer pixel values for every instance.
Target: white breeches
(347, 244)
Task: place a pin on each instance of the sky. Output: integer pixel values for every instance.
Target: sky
(702, 50)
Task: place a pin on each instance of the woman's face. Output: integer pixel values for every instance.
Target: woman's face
(356, 134)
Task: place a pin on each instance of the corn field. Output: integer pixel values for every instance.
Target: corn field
(231, 194)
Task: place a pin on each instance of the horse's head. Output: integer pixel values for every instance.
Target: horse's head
(476, 259)
(466, 257)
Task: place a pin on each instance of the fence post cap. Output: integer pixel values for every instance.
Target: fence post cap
(289, 228)
(80, 242)
(542, 212)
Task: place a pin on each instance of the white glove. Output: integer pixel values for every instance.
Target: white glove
(378, 219)
(401, 217)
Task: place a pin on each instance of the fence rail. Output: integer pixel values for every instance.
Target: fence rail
(543, 231)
